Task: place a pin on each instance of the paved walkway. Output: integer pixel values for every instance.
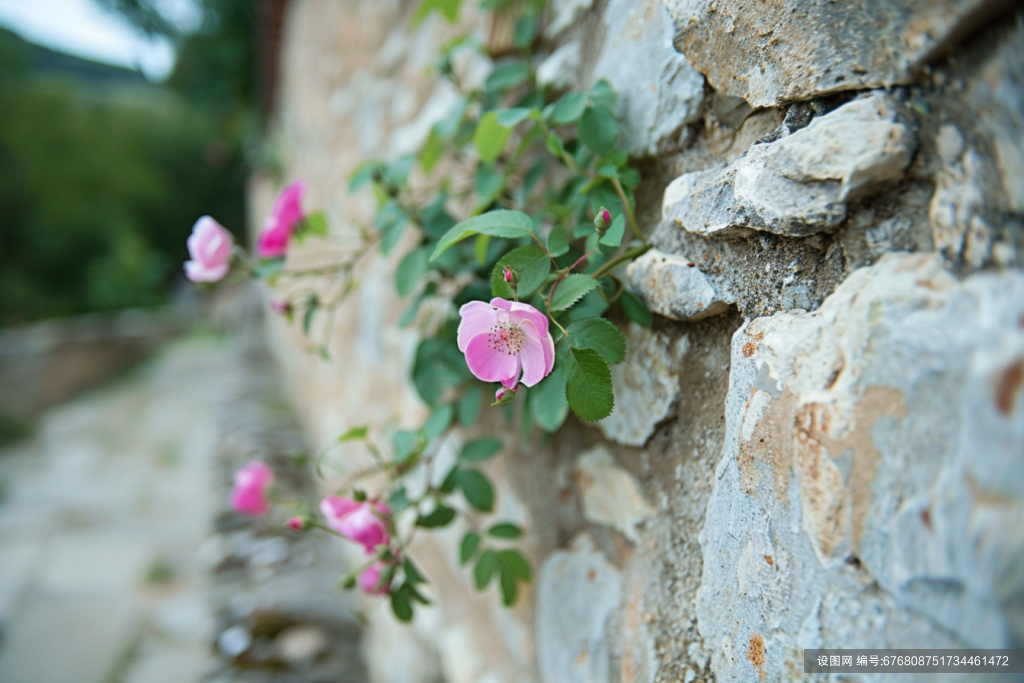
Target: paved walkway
(105, 519)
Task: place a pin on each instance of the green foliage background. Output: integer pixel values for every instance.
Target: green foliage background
(102, 174)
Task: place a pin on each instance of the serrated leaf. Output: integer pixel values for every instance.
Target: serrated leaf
(558, 241)
(400, 606)
(515, 563)
(602, 95)
(598, 130)
(450, 480)
(490, 137)
(588, 383)
(411, 270)
(484, 569)
(354, 433)
(440, 516)
(532, 265)
(509, 589)
(613, 237)
(399, 500)
(468, 547)
(601, 336)
(480, 449)
(525, 31)
(407, 445)
(510, 118)
(477, 489)
(570, 290)
(505, 530)
(362, 174)
(499, 223)
(569, 107)
(548, 405)
(636, 310)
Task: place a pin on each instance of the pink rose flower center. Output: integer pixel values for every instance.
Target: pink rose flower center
(506, 338)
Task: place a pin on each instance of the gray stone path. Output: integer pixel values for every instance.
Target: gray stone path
(105, 517)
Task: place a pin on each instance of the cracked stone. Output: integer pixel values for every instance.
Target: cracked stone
(674, 287)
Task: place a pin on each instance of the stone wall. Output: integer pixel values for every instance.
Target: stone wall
(819, 442)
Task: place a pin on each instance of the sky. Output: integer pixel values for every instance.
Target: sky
(83, 28)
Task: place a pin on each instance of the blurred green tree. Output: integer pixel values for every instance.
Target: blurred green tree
(102, 174)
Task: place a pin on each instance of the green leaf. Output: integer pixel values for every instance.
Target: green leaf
(469, 406)
(267, 268)
(468, 547)
(500, 223)
(400, 606)
(412, 574)
(508, 74)
(525, 31)
(363, 174)
(407, 445)
(601, 336)
(490, 181)
(411, 270)
(448, 8)
(588, 383)
(477, 489)
(439, 421)
(307, 317)
(433, 150)
(505, 530)
(512, 117)
(515, 562)
(613, 237)
(354, 433)
(484, 569)
(480, 449)
(602, 95)
(450, 480)
(480, 248)
(509, 589)
(548, 405)
(533, 266)
(490, 137)
(570, 107)
(635, 309)
(399, 500)
(598, 130)
(570, 290)
(315, 223)
(558, 241)
(442, 515)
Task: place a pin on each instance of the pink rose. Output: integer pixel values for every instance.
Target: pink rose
(370, 578)
(249, 494)
(210, 247)
(280, 225)
(503, 338)
(273, 239)
(363, 522)
(297, 523)
(288, 206)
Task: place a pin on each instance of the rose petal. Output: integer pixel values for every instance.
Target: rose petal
(487, 363)
(478, 317)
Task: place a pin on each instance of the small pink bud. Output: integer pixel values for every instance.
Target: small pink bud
(603, 220)
(361, 522)
(210, 247)
(281, 307)
(249, 493)
(370, 580)
(508, 274)
(298, 523)
(606, 217)
(502, 392)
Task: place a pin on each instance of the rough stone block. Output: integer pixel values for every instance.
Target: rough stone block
(867, 495)
(674, 287)
(799, 184)
(787, 50)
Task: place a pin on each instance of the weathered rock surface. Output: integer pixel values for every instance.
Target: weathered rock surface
(794, 50)
(578, 592)
(674, 287)
(659, 92)
(799, 184)
(610, 494)
(867, 495)
(646, 384)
